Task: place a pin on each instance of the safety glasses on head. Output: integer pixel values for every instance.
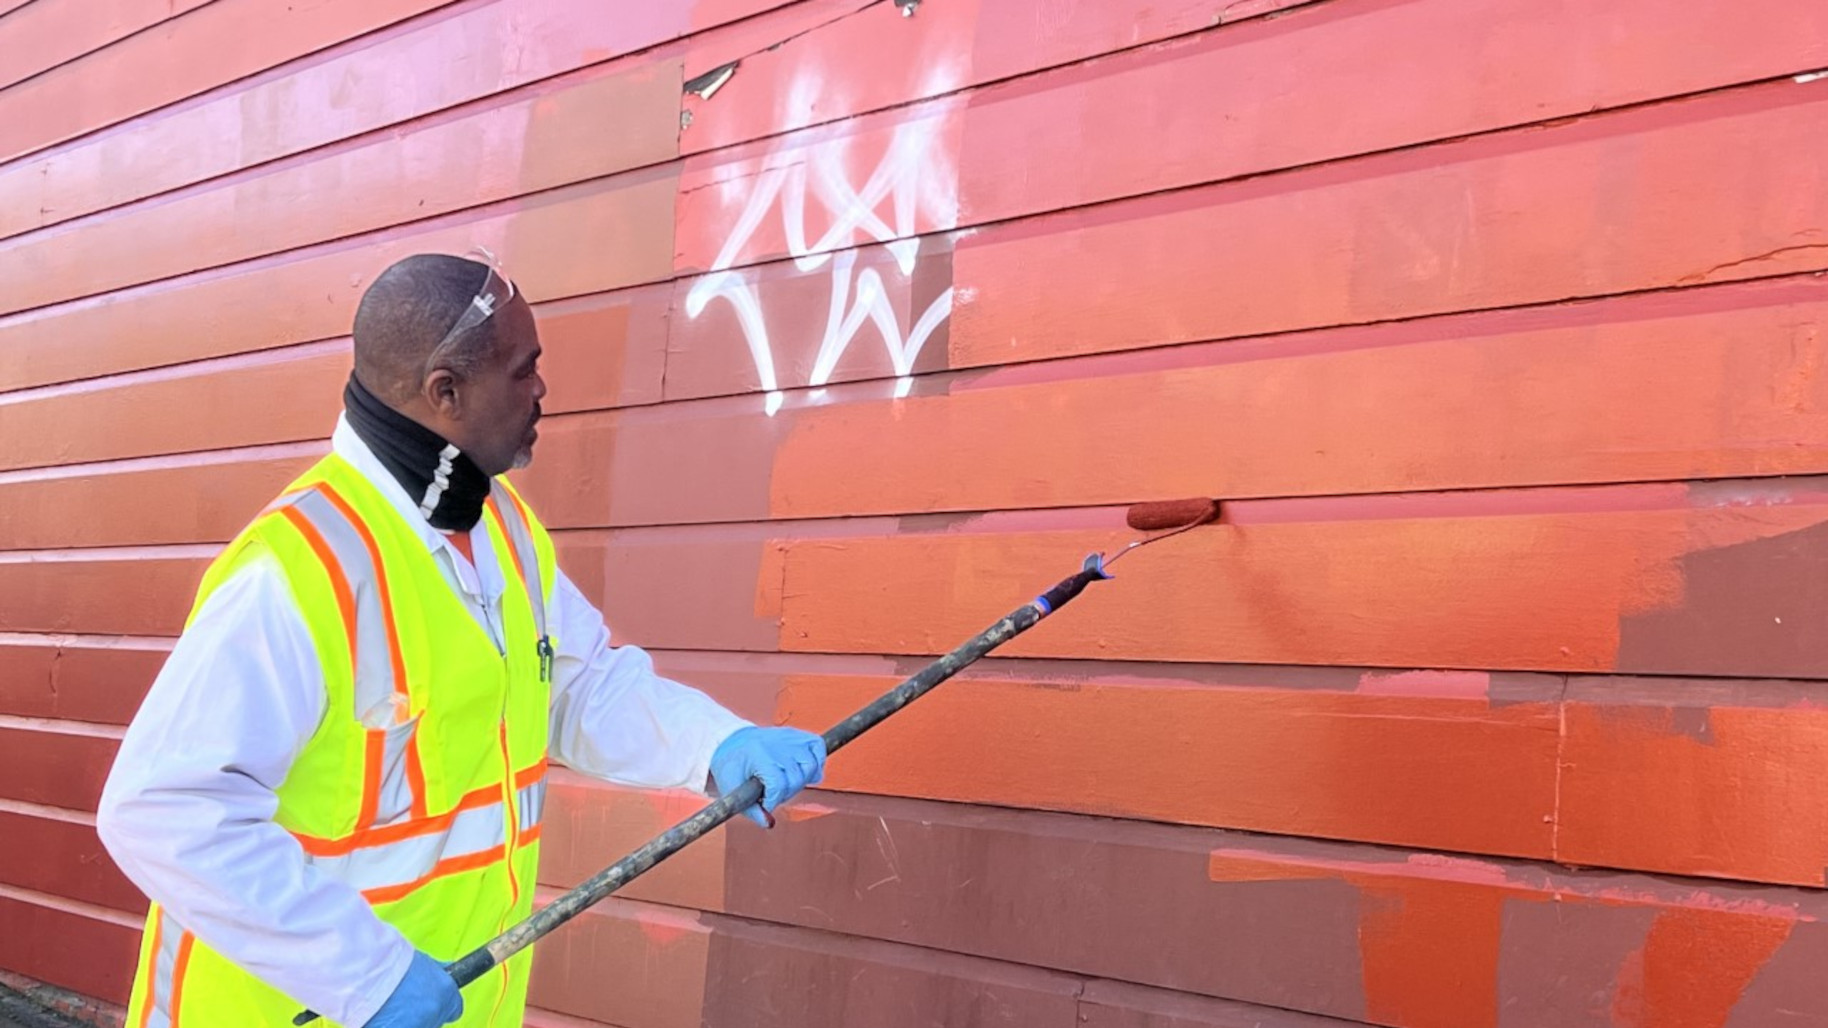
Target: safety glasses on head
(494, 294)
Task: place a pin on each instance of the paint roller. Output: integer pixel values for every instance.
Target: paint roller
(1160, 519)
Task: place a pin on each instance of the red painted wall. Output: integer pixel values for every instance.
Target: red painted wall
(1497, 701)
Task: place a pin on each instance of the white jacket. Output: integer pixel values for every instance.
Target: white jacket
(187, 809)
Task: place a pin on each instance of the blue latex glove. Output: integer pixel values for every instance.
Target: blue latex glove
(425, 998)
(785, 759)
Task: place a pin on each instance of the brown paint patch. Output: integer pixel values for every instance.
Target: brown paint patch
(1415, 770)
(1748, 607)
(1578, 947)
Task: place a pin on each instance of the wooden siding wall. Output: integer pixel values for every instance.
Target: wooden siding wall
(1497, 703)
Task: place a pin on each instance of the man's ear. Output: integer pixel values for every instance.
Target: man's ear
(441, 393)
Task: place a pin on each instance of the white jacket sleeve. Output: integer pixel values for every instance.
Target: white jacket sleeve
(614, 717)
(187, 810)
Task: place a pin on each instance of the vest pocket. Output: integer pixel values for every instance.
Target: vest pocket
(398, 780)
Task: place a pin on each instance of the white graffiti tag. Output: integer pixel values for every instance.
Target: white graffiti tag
(913, 177)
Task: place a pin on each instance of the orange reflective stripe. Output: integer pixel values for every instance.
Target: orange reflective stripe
(345, 599)
(177, 975)
(375, 755)
(320, 847)
(443, 869)
(513, 550)
(394, 833)
(530, 835)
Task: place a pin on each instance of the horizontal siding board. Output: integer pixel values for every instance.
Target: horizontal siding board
(63, 858)
(1403, 938)
(554, 245)
(1464, 763)
(1482, 223)
(1275, 85)
(184, 503)
(54, 768)
(108, 594)
(213, 45)
(877, 59)
(280, 397)
(533, 142)
(56, 31)
(1702, 383)
(1596, 585)
(100, 681)
(72, 951)
(401, 74)
(1701, 579)
(704, 969)
(1269, 92)
(1713, 777)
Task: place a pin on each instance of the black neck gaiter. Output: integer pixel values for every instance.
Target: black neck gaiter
(448, 486)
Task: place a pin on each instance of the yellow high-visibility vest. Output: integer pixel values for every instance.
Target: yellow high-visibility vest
(433, 814)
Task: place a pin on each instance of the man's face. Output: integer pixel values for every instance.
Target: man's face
(501, 402)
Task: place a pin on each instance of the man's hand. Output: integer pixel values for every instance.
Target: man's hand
(425, 998)
(785, 759)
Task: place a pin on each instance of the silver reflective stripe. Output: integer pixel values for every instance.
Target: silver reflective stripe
(374, 670)
(408, 860)
(521, 537)
(395, 802)
(164, 962)
(531, 802)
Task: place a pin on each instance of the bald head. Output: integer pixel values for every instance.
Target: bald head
(405, 313)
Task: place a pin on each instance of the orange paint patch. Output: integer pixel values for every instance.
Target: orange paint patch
(1725, 791)
(1697, 963)
(1430, 952)
(1483, 589)
(1445, 773)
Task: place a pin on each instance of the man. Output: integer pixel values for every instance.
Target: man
(335, 784)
